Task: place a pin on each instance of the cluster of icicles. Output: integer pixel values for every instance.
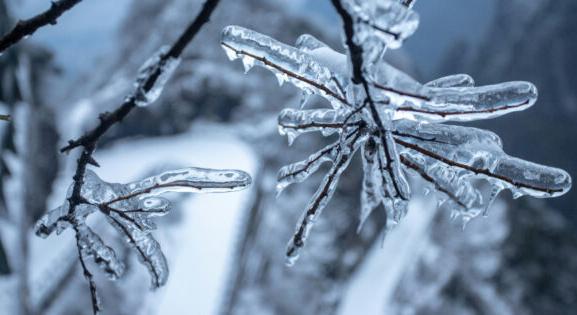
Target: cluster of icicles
(466, 165)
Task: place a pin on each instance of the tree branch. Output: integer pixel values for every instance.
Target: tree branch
(90, 140)
(25, 28)
(107, 120)
(356, 55)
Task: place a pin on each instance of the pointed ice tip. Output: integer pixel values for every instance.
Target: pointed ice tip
(360, 227)
(279, 189)
(290, 261)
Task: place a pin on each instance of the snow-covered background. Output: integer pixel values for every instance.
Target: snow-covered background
(225, 251)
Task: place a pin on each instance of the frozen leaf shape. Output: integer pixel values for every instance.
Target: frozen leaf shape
(395, 119)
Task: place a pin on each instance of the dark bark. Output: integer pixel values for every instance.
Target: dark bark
(25, 28)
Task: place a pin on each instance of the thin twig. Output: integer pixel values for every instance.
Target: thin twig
(25, 28)
(324, 192)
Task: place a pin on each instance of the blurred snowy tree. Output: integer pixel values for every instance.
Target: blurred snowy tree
(26, 179)
(520, 260)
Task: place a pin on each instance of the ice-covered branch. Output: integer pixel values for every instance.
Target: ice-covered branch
(398, 117)
(322, 196)
(25, 28)
(129, 208)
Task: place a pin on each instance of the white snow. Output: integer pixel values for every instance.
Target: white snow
(374, 283)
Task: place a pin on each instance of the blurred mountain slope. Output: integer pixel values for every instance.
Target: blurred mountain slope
(519, 260)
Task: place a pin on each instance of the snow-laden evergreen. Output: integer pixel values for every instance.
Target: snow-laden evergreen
(394, 120)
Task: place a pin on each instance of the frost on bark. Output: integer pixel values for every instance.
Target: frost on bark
(395, 121)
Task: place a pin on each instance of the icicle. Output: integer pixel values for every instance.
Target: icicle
(320, 200)
(191, 179)
(389, 21)
(495, 190)
(281, 78)
(53, 220)
(305, 96)
(248, 63)
(371, 192)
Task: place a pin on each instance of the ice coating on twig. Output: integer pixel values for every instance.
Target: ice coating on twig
(146, 247)
(328, 121)
(286, 62)
(389, 21)
(479, 153)
(130, 209)
(92, 245)
(372, 192)
(321, 197)
(158, 65)
(300, 171)
(395, 119)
